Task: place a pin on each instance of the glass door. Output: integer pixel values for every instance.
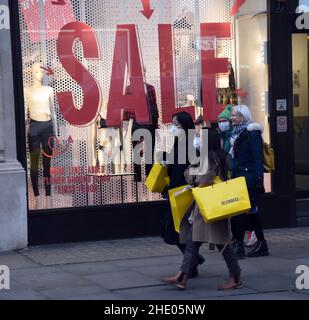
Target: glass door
(301, 112)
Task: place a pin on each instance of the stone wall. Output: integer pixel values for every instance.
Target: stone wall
(13, 202)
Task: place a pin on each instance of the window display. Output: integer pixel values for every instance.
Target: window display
(95, 72)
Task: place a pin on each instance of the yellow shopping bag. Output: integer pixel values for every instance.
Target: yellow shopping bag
(158, 178)
(180, 201)
(222, 200)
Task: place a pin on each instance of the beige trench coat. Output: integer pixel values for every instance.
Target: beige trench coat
(218, 232)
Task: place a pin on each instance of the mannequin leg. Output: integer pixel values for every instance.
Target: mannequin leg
(46, 168)
(103, 160)
(34, 148)
(117, 163)
(48, 152)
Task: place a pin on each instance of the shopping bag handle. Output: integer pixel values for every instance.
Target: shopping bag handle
(227, 182)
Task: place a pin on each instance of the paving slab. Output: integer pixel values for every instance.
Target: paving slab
(306, 292)
(122, 280)
(295, 252)
(67, 293)
(91, 268)
(98, 297)
(132, 269)
(163, 271)
(266, 296)
(15, 260)
(21, 295)
(201, 288)
(149, 261)
(269, 282)
(46, 281)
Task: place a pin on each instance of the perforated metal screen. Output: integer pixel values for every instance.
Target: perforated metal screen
(103, 16)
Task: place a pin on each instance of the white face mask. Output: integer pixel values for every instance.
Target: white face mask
(197, 143)
(174, 131)
(224, 126)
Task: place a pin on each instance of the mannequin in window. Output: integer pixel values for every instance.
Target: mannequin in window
(226, 87)
(41, 128)
(190, 102)
(110, 142)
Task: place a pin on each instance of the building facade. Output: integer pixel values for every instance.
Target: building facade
(80, 70)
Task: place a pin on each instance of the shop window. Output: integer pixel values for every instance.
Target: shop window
(94, 71)
(252, 64)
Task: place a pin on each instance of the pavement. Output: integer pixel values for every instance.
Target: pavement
(131, 269)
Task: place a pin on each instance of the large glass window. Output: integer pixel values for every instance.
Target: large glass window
(252, 64)
(96, 71)
(301, 109)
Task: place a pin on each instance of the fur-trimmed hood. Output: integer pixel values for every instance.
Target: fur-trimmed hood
(255, 126)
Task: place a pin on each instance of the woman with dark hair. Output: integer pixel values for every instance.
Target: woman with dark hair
(194, 231)
(181, 124)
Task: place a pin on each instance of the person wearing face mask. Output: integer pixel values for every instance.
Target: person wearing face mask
(181, 124)
(194, 231)
(225, 127)
(247, 154)
(225, 131)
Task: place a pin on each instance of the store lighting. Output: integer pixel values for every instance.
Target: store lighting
(263, 53)
(264, 102)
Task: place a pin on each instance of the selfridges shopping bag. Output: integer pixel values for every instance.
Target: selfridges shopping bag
(158, 178)
(181, 199)
(222, 200)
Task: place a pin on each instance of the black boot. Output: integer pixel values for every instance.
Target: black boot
(200, 259)
(259, 250)
(239, 248)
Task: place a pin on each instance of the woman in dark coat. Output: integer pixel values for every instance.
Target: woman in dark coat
(247, 154)
(181, 124)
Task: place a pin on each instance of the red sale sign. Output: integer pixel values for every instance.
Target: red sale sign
(65, 49)
(127, 88)
(127, 68)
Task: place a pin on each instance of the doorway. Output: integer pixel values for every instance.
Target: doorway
(300, 74)
(301, 112)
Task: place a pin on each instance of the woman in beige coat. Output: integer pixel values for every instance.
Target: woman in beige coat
(194, 231)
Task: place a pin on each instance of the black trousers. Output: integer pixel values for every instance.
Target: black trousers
(248, 221)
(39, 137)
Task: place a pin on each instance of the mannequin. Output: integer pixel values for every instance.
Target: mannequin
(190, 102)
(226, 87)
(41, 127)
(110, 142)
(106, 145)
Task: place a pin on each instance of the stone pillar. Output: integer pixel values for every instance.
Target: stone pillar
(13, 201)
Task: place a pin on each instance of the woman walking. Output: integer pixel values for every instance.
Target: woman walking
(181, 124)
(194, 231)
(247, 154)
